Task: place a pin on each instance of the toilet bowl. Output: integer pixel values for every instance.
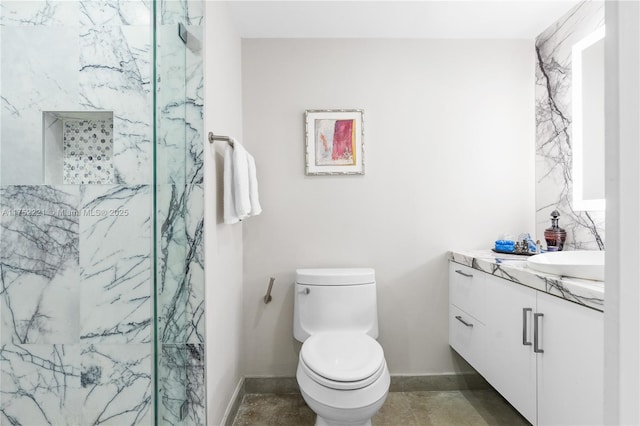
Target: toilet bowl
(342, 373)
(343, 377)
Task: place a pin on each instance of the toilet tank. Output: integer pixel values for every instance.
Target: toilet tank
(341, 299)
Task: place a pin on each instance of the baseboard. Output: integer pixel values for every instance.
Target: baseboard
(271, 385)
(438, 382)
(399, 383)
(234, 404)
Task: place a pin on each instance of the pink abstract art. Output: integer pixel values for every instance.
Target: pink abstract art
(335, 142)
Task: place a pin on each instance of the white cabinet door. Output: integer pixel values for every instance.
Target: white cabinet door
(570, 370)
(510, 361)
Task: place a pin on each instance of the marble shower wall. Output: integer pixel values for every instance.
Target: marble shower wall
(83, 55)
(76, 260)
(75, 305)
(554, 141)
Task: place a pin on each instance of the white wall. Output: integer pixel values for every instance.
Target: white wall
(622, 316)
(223, 244)
(449, 164)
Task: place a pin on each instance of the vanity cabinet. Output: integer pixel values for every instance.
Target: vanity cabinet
(544, 354)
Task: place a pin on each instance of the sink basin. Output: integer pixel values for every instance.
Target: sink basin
(587, 264)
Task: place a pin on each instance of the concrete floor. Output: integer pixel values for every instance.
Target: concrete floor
(455, 408)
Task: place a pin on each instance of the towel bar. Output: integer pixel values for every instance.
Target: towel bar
(213, 138)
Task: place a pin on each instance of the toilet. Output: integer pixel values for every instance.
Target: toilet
(342, 373)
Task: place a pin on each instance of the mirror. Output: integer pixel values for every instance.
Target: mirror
(588, 122)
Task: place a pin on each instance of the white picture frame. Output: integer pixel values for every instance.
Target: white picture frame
(334, 142)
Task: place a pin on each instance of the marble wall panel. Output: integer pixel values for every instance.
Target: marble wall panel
(180, 264)
(189, 12)
(195, 275)
(115, 264)
(180, 107)
(114, 77)
(181, 385)
(76, 384)
(116, 385)
(194, 107)
(40, 385)
(115, 12)
(554, 187)
(39, 264)
(30, 85)
(170, 105)
(39, 13)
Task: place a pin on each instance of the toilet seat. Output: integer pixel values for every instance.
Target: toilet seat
(333, 384)
(342, 360)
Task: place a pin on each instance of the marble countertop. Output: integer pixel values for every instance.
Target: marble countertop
(514, 268)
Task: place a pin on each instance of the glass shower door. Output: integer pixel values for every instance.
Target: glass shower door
(101, 213)
(76, 324)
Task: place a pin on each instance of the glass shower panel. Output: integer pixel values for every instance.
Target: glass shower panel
(179, 214)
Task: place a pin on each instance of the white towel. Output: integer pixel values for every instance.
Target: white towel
(241, 181)
(240, 184)
(256, 209)
(230, 216)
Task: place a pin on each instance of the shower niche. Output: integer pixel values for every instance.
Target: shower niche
(78, 147)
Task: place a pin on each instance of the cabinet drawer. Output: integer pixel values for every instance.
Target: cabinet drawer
(466, 336)
(466, 290)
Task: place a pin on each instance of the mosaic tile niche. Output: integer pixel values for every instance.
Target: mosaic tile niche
(88, 151)
(78, 148)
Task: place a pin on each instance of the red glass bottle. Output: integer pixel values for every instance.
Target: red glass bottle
(555, 235)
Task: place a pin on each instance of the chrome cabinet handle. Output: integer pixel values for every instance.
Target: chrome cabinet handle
(464, 274)
(524, 326)
(459, 318)
(536, 340)
(305, 291)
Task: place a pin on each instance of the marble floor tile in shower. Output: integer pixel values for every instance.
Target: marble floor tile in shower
(441, 408)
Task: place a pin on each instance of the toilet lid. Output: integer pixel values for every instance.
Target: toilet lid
(342, 356)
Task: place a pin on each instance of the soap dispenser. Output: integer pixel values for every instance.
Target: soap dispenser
(555, 235)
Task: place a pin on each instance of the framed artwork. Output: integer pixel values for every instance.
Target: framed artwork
(334, 141)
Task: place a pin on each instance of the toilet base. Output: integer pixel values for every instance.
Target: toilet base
(355, 416)
(335, 407)
(324, 422)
